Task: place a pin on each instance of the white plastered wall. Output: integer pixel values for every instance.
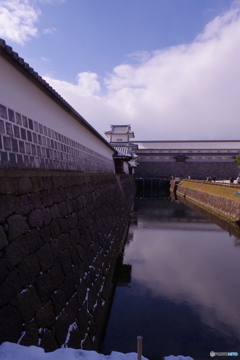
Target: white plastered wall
(20, 94)
(125, 167)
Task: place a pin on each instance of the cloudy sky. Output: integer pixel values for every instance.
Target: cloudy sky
(170, 68)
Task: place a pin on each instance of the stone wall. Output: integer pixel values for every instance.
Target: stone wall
(221, 199)
(197, 170)
(60, 235)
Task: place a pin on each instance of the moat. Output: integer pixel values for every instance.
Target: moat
(179, 287)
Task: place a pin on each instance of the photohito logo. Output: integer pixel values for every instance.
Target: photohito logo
(213, 353)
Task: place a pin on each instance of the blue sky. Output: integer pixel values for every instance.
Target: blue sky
(168, 67)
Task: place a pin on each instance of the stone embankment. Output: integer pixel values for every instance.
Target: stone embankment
(219, 198)
(60, 235)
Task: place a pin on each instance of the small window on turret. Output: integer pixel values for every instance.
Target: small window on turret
(119, 139)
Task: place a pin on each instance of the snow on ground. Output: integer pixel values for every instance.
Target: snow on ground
(10, 351)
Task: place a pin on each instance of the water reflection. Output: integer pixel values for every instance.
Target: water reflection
(185, 289)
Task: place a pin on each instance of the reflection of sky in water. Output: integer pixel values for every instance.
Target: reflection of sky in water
(197, 267)
(185, 290)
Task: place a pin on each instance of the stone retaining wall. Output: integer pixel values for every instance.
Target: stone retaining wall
(60, 235)
(221, 199)
(197, 170)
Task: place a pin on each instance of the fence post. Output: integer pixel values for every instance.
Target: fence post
(139, 347)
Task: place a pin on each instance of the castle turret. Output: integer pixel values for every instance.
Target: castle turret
(120, 134)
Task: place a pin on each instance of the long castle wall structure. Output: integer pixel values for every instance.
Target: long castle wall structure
(197, 159)
(39, 129)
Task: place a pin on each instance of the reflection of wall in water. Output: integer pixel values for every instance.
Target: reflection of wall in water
(230, 227)
(159, 213)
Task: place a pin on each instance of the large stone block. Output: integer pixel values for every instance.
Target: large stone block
(44, 285)
(45, 257)
(25, 185)
(28, 303)
(98, 310)
(83, 320)
(75, 205)
(47, 216)
(9, 186)
(73, 220)
(74, 237)
(31, 334)
(45, 316)
(48, 341)
(36, 200)
(81, 292)
(92, 298)
(29, 269)
(76, 191)
(17, 251)
(17, 226)
(56, 196)
(72, 308)
(56, 182)
(69, 285)
(55, 248)
(63, 209)
(69, 205)
(55, 229)
(47, 183)
(46, 198)
(23, 204)
(45, 234)
(5, 267)
(3, 238)
(66, 261)
(61, 328)
(37, 183)
(69, 193)
(74, 255)
(57, 274)
(9, 288)
(55, 211)
(59, 300)
(35, 219)
(74, 339)
(7, 206)
(64, 225)
(33, 240)
(64, 242)
(10, 324)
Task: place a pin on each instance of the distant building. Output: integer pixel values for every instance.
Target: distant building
(120, 134)
(197, 159)
(124, 157)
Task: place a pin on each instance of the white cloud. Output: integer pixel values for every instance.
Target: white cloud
(49, 30)
(88, 83)
(190, 91)
(18, 20)
(45, 59)
(87, 88)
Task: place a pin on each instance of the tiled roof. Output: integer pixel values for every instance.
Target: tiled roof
(123, 151)
(19, 62)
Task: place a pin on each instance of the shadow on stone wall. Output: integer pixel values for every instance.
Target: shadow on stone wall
(60, 235)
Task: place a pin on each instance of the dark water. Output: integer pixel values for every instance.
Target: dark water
(181, 290)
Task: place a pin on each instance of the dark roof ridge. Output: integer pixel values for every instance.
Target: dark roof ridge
(29, 71)
(174, 141)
